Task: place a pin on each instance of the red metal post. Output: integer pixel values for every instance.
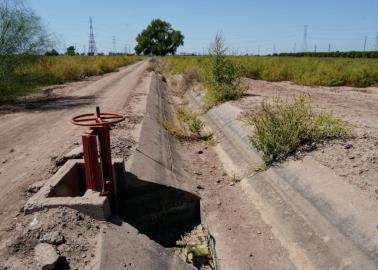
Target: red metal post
(92, 166)
(106, 159)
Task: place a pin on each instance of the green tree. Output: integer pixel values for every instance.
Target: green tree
(71, 51)
(159, 38)
(223, 75)
(53, 52)
(22, 36)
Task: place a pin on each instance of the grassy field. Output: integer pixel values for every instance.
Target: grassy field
(41, 71)
(300, 70)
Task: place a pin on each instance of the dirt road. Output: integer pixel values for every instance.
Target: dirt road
(34, 136)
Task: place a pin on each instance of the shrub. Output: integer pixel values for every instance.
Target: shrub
(223, 76)
(282, 126)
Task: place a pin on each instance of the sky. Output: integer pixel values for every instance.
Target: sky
(264, 26)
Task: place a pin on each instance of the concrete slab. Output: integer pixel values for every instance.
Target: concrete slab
(122, 247)
(67, 188)
(156, 159)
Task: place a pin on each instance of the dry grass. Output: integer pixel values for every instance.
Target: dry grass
(189, 128)
(41, 71)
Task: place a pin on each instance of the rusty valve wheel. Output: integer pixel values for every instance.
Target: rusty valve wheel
(97, 119)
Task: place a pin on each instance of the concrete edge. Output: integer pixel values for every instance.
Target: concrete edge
(156, 159)
(90, 203)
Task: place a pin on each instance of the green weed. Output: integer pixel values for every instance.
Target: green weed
(282, 126)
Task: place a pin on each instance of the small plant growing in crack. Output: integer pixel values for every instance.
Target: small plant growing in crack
(189, 128)
(235, 178)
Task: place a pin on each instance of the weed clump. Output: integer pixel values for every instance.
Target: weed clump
(189, 128)
(223, 76)
(191, 119)
(282, 126)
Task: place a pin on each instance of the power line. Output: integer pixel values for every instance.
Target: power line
(304, 42)
(92, 43)
(114, 45)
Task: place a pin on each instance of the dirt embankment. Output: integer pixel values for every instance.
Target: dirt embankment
(356, 158)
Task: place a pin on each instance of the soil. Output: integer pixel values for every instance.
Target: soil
(355, 159)
(79, 233)
(36, 137)
(236, 217)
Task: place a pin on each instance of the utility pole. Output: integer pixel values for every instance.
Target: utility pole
(92, 43)
(304, 42)
(365, 41)
(114, 45)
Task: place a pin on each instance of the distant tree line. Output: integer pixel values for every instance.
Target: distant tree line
(350, 54)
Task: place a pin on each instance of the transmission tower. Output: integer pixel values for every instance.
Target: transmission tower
(315, 47)
(92, 43)
(329, 47)
(304, 42)
(376, 42)
(365, 41)
(295, 48)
